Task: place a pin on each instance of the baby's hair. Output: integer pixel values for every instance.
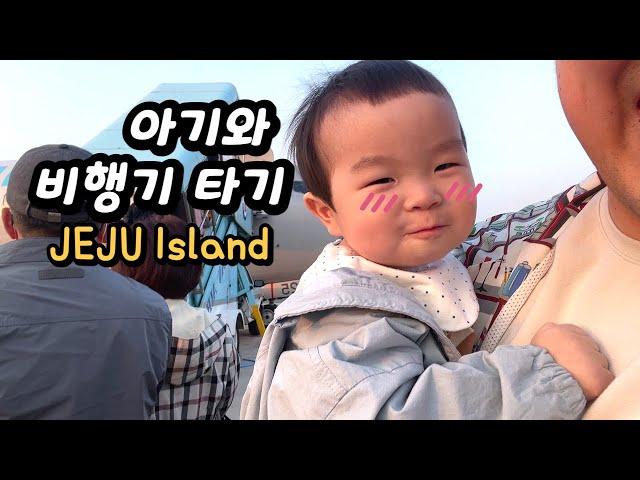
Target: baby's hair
(374, 81)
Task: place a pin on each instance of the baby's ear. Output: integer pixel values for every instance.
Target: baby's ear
(323, 212)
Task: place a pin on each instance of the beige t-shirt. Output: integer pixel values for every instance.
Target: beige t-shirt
(594, 283)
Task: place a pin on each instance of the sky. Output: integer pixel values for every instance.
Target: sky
(520, 145)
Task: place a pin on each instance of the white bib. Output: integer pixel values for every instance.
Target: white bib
(443, 287)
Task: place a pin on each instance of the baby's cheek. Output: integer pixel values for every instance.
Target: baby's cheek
(466, 218)
(373, 237)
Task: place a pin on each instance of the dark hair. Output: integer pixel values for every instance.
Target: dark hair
(170, 281)
(374, 81)
(137, 214)
(32, 227)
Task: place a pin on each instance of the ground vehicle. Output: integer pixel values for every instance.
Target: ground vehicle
(299, 240)
(271, 295)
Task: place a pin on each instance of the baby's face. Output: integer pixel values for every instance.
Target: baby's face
(408, 149)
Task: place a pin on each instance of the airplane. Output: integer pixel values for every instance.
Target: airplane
(298, 237)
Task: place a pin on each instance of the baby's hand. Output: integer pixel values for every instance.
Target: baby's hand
(575, 350)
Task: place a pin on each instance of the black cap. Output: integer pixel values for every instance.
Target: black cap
(20, 180)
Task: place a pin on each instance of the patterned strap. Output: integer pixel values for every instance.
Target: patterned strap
(515, 303)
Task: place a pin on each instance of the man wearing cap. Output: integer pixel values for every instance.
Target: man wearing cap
(80, 342)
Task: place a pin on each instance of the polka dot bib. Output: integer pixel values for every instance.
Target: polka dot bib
(443, 287)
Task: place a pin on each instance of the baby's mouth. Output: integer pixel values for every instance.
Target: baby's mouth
(426, 231)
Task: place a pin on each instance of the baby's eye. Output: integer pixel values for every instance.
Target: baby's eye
(446, 166)
(380, 181)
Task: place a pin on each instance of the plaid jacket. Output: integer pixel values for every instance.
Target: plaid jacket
(502, 250)
(202, 374)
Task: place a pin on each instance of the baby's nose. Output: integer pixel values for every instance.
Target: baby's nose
(422, 197)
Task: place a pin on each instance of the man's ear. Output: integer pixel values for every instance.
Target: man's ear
(7, 222)
(323, 212)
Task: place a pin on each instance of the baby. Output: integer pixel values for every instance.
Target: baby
(368, 332)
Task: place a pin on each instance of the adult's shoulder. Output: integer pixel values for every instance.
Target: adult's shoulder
(125, 295)
(539, 222)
